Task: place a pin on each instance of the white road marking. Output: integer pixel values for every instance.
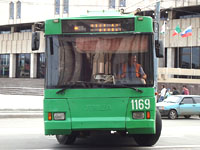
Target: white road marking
(152, 147)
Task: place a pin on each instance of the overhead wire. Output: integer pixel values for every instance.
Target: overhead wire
(86, 5)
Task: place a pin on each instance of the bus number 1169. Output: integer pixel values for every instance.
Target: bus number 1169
(140, 104)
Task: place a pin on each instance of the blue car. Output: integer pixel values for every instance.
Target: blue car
(180, 105)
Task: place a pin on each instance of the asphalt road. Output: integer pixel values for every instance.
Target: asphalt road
(18, 133)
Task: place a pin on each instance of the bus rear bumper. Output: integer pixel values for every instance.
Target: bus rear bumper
(132, 127)
(141, 126)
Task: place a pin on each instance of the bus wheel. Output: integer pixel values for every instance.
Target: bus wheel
(150, 139)
(172, 114)
(66, 139)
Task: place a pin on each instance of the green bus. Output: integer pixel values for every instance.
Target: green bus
(87, 89)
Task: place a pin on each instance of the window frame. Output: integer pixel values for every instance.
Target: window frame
(122, 3)
(111, 4)
(65, 6)
(57, 7)
(11, 10)
(188, 98)
(4, 65)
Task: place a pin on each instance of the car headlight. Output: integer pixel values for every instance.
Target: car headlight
(59, 116)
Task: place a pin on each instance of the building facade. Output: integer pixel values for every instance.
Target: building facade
(181, 64)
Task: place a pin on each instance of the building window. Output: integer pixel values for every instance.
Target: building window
(11, 10)
(18, 10)
(41, 65)
(196, 58)
(185, 58)
(4, 65)
(23, 66)
(165, 57)
(57, 7)
(189, 58)
(122, 3)
(5, 30)
(23, 28)
(66, 6)
(111, 3)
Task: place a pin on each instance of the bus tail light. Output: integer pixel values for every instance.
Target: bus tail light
(49, 116)
(148, 115)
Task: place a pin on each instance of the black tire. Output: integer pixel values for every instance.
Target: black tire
(172, 114)
(150, 139)
(66, 139)
(187, 116)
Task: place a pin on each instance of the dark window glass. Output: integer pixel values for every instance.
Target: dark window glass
(188, 100)
(23, 28)
(95, 25)
(66, 6)
(197, 99)
(176, 58)
(122, 3)
(41, 65)
(18, 10)
(185, 58)
(5, 30)
(23, 66)
(11, 10)
(111, 3)
(57, 7)
(196, 58)
(4, 65)
(188, 58)
(165, 57)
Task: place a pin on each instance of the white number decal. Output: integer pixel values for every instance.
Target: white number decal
(140, 104)
(147, 103)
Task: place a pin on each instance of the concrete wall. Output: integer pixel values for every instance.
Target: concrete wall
(178, 41)
(19, 43)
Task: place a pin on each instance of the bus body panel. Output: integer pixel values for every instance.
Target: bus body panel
(54, 126)
(99, 109)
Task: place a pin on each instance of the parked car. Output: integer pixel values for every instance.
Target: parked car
(180, 105)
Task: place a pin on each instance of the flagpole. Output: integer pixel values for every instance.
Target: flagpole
(178, 51)
(191, 52)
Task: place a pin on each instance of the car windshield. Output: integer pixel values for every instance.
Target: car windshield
(172, 99)
(96, 60)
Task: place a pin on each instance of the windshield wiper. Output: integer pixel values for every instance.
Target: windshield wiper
(136, 89)
(91, 84)
(62, 91)
(73, 85)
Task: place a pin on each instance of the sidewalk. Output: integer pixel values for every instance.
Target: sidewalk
(21, 106)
